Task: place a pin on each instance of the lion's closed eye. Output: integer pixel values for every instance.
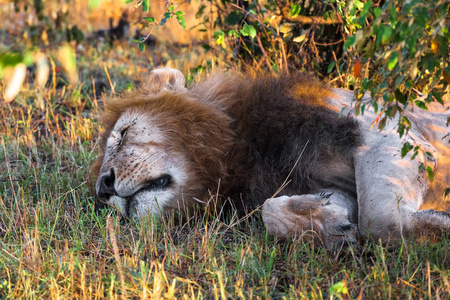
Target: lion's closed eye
(123, 133)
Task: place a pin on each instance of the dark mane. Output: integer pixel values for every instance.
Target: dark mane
(277, 121)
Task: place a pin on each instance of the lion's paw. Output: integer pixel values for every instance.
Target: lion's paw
(431, 222)
(312, 217)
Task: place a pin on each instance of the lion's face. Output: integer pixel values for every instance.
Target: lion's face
(163, 147)
(140, 174)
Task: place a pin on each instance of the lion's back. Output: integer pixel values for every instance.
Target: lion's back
(276, 121)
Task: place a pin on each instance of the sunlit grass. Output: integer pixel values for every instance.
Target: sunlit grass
(55, 243)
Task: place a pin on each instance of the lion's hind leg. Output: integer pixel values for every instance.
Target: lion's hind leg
(325, 218)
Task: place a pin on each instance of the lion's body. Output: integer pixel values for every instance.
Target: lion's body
(168, 147)
(275, 122)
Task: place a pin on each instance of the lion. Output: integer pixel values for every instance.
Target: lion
(287, 145)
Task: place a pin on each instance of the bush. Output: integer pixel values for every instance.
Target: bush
(397, 50)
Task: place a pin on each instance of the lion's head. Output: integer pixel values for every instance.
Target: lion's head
(160, 148)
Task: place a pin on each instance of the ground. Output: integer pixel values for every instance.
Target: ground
(55, 243)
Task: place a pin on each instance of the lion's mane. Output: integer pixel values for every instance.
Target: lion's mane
(250, 132)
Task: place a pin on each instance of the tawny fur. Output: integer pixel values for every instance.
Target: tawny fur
(247, 132)
(254, 134)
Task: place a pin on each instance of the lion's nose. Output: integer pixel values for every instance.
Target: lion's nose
(106, 186)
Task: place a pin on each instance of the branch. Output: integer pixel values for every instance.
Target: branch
(285, 10)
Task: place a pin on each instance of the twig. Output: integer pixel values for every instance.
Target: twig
(329, 44)
(110, 82)
(263, 51)
(285, 13)
(95, 94)
(337, 67)
(286, 181)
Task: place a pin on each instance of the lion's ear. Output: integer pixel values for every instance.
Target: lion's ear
(165, 79)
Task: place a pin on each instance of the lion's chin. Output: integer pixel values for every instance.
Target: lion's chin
(139, 205)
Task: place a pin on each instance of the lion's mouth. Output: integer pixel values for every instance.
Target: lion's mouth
(161, 183)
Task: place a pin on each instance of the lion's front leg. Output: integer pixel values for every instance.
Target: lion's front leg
(325, 218)
(391, 188)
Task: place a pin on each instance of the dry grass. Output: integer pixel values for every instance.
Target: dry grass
(55, 243)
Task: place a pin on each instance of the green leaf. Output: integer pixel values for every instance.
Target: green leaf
(386, 34)
(407, 121)
(366, 8)
(128, 1)
(382, 123)
(167, 16)
(406, 148)
(233, 33)
(430, 174)
(377, 12)
(393, 13)
(248, 30)
(446, 192)
(375, 106)
(219, 33)
(331, 66)
(438, 96)
(393, 61)
(295, 10)
(145, 5)
(409, 84)
(13, 59)
(416, 152)
(399, 80)
(142, 46)
(349, 42)
(220, 37)
(399, 96)
(234, 18)
(200, 12)
(180, 18)
(10, 59)
(93, 4)
(149, 19)
(339, 288)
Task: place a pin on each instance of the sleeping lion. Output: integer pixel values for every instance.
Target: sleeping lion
(280, 144)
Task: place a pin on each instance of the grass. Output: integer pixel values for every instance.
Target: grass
(55, 244)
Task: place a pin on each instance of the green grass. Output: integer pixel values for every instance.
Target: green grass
(54, 244)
